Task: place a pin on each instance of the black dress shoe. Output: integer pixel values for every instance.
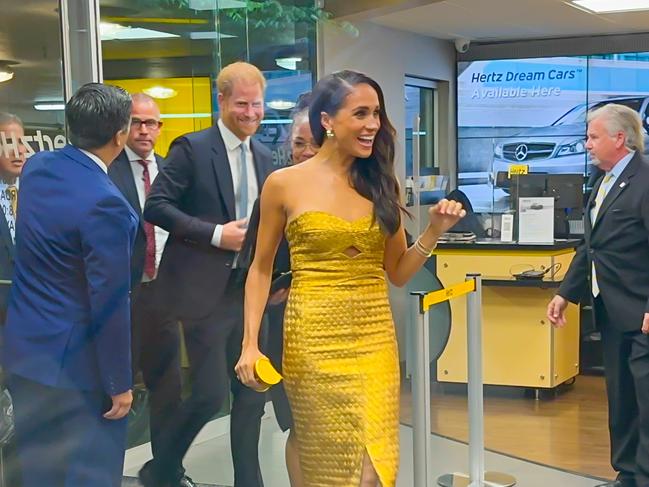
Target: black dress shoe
(618, 483)
(149, 479)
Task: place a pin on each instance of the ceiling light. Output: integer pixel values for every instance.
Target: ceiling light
(5, 75)
(49, 106)
(281, 104)
(160, 92)
(288, 62)
(209, 35)
(607, 6)
(110, 32)
(215, 4)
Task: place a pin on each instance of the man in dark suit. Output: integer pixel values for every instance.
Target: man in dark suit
(612, 264)
(67, 336)
(12, 159)
(155, 336)
(203, 197)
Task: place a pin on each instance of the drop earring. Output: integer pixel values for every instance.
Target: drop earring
(330, 133)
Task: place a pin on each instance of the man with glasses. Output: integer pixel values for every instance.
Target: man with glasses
(154, 335)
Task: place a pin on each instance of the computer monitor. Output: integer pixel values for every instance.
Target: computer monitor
(567, 191)
(527, 186)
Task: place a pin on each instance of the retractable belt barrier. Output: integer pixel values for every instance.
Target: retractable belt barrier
(421, 424)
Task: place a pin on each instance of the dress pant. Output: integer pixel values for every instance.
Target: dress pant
(156, 351)
(213, 348)
(626, 368)
(62, 438)
(275, 351)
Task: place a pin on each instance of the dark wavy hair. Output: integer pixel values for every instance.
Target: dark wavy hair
(372, 177)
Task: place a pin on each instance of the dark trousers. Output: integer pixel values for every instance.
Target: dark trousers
(275, 352)
(213, 347)
(62, 439)
(157, 353)
(626, 368)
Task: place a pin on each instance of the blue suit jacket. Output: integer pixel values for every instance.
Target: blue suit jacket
(68, 320)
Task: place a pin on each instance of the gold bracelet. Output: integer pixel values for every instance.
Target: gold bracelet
(422, 249)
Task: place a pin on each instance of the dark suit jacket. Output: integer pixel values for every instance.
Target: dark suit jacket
(282, 258)
(619, 246)
(192, 194)
(122, 175)
(6, 264)
(68, 321)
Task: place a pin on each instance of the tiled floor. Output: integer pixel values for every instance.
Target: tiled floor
(208, 461)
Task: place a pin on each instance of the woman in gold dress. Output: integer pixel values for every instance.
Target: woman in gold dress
(341, 214)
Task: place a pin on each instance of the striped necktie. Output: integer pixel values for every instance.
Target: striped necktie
(599, 199)
(12, 192)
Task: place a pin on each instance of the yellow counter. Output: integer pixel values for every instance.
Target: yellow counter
(520, 347)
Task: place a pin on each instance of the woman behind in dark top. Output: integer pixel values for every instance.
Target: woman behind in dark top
(302, 147)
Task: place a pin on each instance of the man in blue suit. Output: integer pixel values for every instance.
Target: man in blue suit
(67, 336)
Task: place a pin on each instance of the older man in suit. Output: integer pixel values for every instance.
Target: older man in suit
(612, 264)
(203, 198)
(155, 335)
(67, 336)
(12, 159)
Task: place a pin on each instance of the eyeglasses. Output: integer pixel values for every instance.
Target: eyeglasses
(150, 123)
(300, 145)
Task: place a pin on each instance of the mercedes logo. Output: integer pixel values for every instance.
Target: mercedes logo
(521, 152)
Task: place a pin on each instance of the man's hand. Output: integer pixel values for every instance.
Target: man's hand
(234, 233)
(121, 405)
(278, 297)
(557, 311)
(645, 324)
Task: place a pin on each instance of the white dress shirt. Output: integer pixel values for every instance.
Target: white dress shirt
(96, 160)
(138, 176)
(233, 148)
(5, 207)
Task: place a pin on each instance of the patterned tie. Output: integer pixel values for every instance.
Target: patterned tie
(12, 192)
(599, 199)
(243, 184)
(149, 230)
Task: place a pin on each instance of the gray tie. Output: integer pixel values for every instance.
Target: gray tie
(243, 184)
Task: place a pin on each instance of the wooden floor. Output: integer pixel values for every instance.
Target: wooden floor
(568, 432)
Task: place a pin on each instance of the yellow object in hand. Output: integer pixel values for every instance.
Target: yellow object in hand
(266, 374)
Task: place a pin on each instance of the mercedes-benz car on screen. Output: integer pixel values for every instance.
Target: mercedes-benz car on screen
(561, 147)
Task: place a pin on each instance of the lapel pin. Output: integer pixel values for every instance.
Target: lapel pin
(622, 184)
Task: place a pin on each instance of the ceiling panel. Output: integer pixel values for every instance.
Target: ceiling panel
(500, 20)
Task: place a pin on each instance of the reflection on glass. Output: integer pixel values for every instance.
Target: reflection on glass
(32, 68)
(173, 52)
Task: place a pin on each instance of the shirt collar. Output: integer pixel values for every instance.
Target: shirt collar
(621, 165)
(4, 184)
(133, 157)
(230, 140)
(96, 160)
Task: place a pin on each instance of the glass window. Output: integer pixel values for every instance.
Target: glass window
(31, 81)
(174, 50)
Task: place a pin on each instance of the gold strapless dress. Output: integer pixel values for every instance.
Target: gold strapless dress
(340, 364)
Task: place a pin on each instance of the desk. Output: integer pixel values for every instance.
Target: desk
(521, 348)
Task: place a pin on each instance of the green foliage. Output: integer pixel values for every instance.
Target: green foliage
(263, 14)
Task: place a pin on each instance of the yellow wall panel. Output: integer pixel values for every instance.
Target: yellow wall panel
(190, 109)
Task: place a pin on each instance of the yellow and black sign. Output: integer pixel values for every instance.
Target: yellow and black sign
(436, 297)
(517, 170)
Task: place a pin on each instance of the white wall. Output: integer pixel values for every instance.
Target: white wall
(388, 56)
